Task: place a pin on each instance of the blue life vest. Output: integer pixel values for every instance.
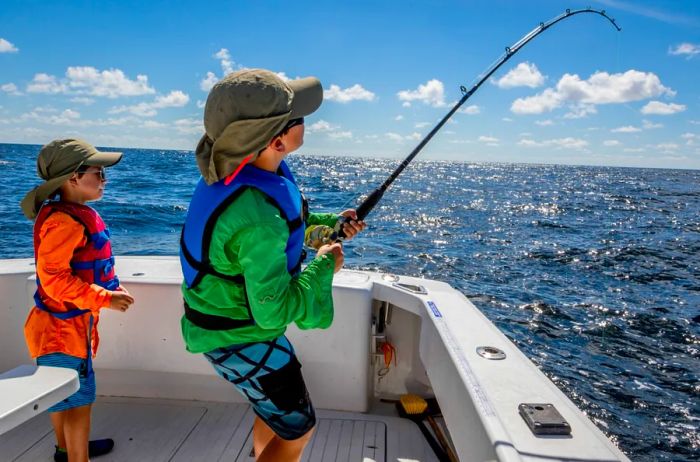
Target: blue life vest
(210, 201)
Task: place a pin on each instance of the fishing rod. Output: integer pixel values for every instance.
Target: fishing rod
(373, 199)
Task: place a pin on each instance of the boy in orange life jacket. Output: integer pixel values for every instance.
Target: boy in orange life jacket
(75, 279)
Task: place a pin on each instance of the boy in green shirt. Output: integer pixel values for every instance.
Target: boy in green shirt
(241, 253)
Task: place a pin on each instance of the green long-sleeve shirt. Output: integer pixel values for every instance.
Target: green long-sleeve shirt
(250, 238)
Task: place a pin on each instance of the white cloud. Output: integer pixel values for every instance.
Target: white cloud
(580, 111)
(110, 83)
(67, 118)
(7, 47)
(422, 124)
(600, 88)
(690, 138)
(321, 126)
(10, 89)
(488, 139)
(45, 83)
(471, 110)
(560, 143)
(546, 101)
(415, 136)
(522, 75)
(226, 62)
(611, 143)
(356, 92)
(208, 81)
(659, 108)
(689, 49)
(141, 110)
(667, 147)
(432, 93)
(333, 131)
(82, 100)
(400, 138)
(626, 129)
(44, 109)
(544, 123)
(340, 135)
(647, 125)
(398, 117)
(48, 116)
(283, 76)
(507, 119)
(175, 98)
(189, 126)
(153, 124)
(227, 66)
(201, 104)
(71, 114)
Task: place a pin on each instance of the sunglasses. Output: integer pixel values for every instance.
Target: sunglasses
(101, 172)
(290, 124)
(293, 123)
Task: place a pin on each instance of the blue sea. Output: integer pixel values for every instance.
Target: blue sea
(594, 272)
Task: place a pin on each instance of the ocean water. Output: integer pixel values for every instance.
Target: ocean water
(594, 272)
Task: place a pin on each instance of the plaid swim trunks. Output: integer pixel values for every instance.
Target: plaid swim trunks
(268, 374)
(86, 393)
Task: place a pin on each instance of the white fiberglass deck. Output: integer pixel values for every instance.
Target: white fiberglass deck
(187, 431)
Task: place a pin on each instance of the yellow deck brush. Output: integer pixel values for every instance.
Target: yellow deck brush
(415, 408)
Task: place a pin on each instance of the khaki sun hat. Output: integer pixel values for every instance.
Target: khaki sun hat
(244, 112)
(56, 163)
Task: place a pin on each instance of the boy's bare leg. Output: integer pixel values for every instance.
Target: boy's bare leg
(262, 435)
(278, 449)
(57, 423)
(76, 428)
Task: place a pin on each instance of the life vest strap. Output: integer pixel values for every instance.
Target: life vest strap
(63, 315)
(104, 265)
(204, 268)
(213, 322)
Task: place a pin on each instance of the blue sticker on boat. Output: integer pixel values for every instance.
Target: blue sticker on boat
(435, 310)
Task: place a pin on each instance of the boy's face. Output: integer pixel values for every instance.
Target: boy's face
(294, 138)
(89, 184)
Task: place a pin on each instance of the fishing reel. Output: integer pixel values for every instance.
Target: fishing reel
(318, 235)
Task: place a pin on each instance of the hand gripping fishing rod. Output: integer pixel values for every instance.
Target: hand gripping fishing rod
(371, 201)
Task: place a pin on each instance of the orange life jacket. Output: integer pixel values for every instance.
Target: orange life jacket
(74, 277)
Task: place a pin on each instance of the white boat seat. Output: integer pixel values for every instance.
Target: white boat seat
(29, 390)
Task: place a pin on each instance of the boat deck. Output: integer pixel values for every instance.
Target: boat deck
(176, 430)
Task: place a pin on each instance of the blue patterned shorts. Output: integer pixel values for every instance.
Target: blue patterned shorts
(86, 393)
(268, 374)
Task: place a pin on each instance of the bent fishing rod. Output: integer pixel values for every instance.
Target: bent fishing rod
(373, 199)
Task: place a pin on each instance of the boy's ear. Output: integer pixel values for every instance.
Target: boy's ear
(277, 144)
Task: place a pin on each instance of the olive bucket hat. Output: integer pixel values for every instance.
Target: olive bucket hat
(56, 163)
(244, 112)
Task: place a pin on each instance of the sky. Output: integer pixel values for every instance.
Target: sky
(136, 75)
